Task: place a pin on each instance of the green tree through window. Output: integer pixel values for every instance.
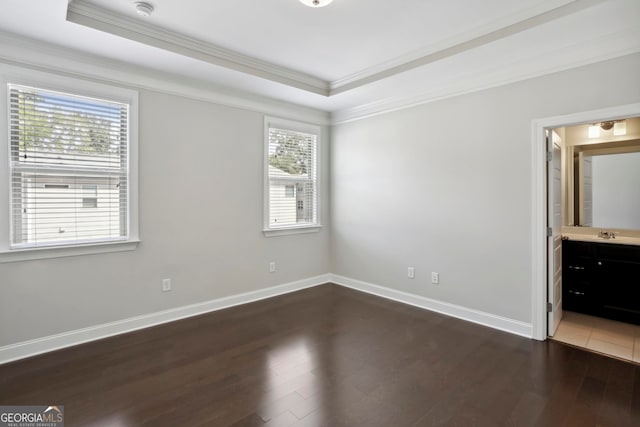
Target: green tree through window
(292, 152)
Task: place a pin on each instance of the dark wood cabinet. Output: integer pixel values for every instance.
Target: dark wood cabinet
(577, 277)
(602, 279)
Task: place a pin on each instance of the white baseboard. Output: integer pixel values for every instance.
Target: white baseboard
(37, 346)
(486, 319)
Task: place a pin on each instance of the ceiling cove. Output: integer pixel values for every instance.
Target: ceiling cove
(93, 16)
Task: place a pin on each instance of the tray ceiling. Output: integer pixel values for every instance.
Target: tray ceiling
(351, 55)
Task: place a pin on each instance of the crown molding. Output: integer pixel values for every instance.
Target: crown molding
(20, 51)
(93, 16)
(105, 20)
(609, 47)
(514, 24)
(102, 19)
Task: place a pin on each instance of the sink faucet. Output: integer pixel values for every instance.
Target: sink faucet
(607, 234)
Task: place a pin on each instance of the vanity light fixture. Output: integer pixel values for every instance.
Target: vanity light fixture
(606, 125)
(143, 8)
(620, 128)
(316, 3)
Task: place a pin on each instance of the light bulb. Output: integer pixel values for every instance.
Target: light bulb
(316, 3)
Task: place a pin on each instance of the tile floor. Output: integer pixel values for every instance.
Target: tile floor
(606, 336)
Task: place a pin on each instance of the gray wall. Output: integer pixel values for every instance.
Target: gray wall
(446, 187)
(442, 187)
(201, 204)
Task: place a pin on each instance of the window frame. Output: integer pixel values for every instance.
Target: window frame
(294, 126)
(74, 86)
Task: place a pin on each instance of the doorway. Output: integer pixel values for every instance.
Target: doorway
(542, 264)
(593, 185)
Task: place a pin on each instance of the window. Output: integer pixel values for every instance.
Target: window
(289, 191)
(62, 147)
(90, 196)
(291, 181)
(69, 169)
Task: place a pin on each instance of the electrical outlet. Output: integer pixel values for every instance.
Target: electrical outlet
(435, 278)
(411, 273)
(272, 267)
(166, 285)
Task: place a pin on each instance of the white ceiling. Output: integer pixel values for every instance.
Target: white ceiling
(352, 57)
(333, 42)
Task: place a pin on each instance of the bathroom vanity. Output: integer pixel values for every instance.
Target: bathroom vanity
(602, 279)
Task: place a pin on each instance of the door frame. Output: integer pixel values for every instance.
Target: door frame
(539, 201)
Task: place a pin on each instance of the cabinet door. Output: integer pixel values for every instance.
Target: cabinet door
(619, 289)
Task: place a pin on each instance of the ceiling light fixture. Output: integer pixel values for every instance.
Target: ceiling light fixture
(316, 3)
(143, 8)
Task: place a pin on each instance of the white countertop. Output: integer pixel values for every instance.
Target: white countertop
(622, 240)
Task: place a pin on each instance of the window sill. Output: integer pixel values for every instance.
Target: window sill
(272, 232)
(28, 254)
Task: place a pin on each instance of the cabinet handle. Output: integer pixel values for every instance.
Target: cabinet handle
(576, 293)
(575, 267)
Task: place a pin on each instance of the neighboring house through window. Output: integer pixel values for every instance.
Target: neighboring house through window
(291, 181)
(90, 196)
(70, 168)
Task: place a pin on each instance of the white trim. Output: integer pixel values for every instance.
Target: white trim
(25, 52)
(541, 14)
(614, 46)
(539, 201)
(77, 86)
(294, 126)
(44, 252)
(50, 343)
(482, 318)
(37, 346)
(271, 232)
(95, 17)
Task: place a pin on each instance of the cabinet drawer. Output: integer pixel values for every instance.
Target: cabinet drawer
(573, 249)
(577, 269)
(622, 253)
(577, 265)
(577, 292)
(581, 286)
(577, 300)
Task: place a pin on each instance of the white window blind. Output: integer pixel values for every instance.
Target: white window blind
(292, 178)
(68, 168)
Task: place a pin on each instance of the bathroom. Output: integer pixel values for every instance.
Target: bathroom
(594, 206)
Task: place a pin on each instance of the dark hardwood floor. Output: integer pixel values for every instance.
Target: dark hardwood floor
(326, 356)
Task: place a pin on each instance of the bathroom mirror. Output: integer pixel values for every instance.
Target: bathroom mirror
(607, 185)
